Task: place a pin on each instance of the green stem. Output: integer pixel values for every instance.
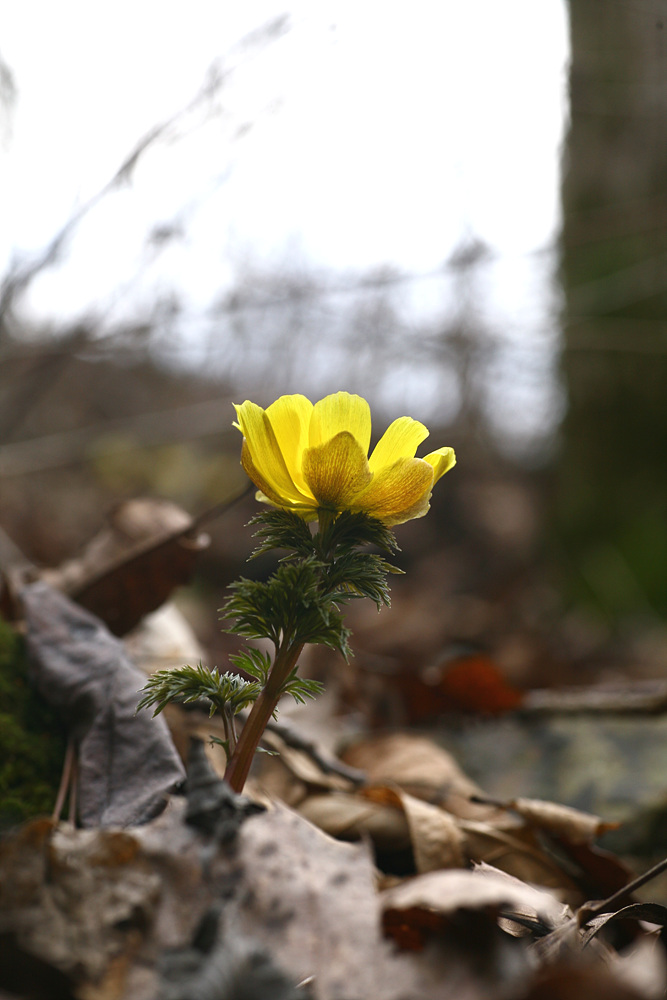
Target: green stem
(230, 731)
(325, 518)
(261, 712)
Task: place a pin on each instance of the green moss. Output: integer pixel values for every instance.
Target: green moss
(32, 741)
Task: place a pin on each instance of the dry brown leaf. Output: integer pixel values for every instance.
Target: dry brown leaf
(435, 836)
(301, 765)
(105, 905)
(416, 772)
(513, 849)
(326, 918)
(349, 816)
(276, 781)
(130, 568)
(393, 820)
(290, 776)
(313, 898)
(580, 982)
(561, 821)
(310, 901)
(483, 886)
(599, 873)
(415, 906)
(421, 768)
(75, 897)
(101, 906)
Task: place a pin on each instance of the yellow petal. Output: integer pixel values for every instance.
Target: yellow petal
(341, 412)
(336, 471)
(266, 487)
(290, 419)
(400, 440)
(418, 509)
(442, 461)
(397, 491)
(307, 513)
(262, 458)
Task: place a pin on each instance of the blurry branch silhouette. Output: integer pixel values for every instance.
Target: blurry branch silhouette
(282, 327)
(22, 272)
(44, 370)
(46, 365)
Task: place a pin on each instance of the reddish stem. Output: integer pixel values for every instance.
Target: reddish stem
(260, 714)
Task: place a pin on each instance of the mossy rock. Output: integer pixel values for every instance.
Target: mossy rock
(32, 739)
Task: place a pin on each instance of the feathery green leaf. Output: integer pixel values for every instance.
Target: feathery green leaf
(189, 684)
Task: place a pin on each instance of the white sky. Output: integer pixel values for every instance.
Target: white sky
(382, 132)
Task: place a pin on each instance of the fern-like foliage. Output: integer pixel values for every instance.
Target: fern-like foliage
(349, 576)
(282, 529)
(291, 606)
(301, 688)
(300, 603)
(227, 693)
(319, 572)
(254, 662)
(351, 531)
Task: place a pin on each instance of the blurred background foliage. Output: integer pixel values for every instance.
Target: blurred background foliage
(546, 550)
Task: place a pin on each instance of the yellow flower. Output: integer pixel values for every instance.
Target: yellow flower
(307, 458)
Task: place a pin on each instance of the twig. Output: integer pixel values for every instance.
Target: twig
(293, 739)
(73, 789)
(65, 785)
(590, 910)
(330, 765)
